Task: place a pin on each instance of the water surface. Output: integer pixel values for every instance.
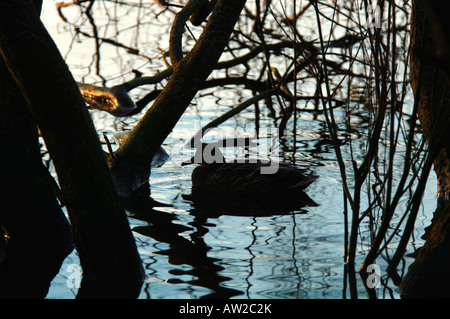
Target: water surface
(299, 254)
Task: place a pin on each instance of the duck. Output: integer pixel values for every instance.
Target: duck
(252, 178)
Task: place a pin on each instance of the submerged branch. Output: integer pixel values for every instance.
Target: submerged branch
(224, 117)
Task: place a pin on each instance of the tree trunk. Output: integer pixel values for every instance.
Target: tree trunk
(430, 84)
(428, 276)
(39, 235)
(108, 254)
(190, 73)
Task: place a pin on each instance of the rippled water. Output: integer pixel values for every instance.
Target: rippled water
(294, 255)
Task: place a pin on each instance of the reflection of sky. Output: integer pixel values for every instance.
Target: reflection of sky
(290, 256)
(149, 37)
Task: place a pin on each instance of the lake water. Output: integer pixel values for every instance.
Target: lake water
(294, 255)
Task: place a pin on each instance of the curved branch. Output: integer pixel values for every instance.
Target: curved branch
(176, 33)
(200, 15)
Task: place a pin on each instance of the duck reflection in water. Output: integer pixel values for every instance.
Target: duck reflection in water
(251, 187)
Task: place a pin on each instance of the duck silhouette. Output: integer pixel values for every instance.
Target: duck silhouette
(249, 178)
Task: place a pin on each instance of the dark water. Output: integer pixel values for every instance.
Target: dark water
(298, 254)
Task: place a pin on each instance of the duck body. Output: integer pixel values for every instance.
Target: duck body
(214, 175)
(246, 188)
(249, 179)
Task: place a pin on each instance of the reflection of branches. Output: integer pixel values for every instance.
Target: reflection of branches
(128, 49)
(163, 228)
(96, 39)
(253, 85)
(375, 167)
(61, 5)
(304, 49)
(77, 2)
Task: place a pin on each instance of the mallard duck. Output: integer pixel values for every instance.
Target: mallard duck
(215, 176)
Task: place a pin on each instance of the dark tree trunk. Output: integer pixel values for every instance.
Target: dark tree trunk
(430, 84)
(39, 235)
(108, 254)
(428, 276)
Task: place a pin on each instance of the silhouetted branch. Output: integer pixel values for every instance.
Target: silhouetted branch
(176, 33)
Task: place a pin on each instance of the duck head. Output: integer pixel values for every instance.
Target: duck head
(206, 154)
